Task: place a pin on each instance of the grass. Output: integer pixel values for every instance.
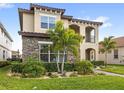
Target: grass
(93, 82)
(118, 69)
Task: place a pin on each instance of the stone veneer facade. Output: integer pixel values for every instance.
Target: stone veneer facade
(31, 47)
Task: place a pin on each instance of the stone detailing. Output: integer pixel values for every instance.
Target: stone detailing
(31, 47)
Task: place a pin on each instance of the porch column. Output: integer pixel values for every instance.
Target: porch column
(49, 53)
(58, 57)
(82, 49)
(39, 51)
(97, 54)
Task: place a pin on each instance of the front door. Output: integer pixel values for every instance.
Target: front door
(92, 55)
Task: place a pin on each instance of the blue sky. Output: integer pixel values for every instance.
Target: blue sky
(111, 14)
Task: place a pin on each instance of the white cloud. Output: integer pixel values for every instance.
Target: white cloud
(105, 25)
(105, 21)
(101, 19)
(4, 5)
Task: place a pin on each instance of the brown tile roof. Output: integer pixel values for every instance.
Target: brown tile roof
(25, 10)
(119, 41)
(46, 7)
(87, 21)
(68, 17)
(33, 34)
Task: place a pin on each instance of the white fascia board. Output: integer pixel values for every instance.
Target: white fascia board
(45, 42)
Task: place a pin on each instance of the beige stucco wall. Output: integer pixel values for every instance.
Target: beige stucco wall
(28, 22)
(110, 57)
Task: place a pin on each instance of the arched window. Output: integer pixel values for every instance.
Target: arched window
(90, 34)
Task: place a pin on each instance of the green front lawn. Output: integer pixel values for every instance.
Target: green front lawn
(85, 82)
(119, 69)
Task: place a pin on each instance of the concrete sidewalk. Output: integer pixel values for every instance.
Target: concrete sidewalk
(108, 73)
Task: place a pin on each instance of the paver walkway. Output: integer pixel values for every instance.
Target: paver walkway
(108, 73)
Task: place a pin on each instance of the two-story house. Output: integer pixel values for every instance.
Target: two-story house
(5, 43)
(35, 22)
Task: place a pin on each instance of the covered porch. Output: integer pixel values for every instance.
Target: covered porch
(90, 54)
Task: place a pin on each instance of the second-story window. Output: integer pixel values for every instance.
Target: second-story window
(47, 22)
(51, 22)
(44, 22)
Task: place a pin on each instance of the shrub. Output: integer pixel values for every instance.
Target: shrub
(33, 69)
(29, 68)
(69, 66)
(84, 67)
(4, 63)
(97, 63)
(50, 67)
(17, 67)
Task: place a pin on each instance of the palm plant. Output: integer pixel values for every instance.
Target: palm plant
(106, 46)
(65, 40)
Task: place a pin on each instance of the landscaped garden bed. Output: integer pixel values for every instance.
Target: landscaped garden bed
(36, 69)
(85, 82)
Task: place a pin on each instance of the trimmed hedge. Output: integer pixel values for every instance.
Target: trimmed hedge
(97, 63)
(4, 63)
(52, 67)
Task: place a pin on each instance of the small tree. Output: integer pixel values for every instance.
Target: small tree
(65, 40)
(106, 46)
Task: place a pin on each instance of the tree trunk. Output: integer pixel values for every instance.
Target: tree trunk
(105, 58)
(62, 68)
(58, 63)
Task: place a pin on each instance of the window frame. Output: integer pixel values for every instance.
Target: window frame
(48, 21)
(44, 22)
(115, 54)
(49, 53)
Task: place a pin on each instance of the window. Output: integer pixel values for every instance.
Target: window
(51, 22)
(3, 54)
(47, 54)
(116, 53)
(47, 22)
(44, 22)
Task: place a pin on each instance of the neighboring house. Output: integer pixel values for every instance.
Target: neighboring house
(116, 56)
(5, 43)
(16, 55)
(35, 22)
